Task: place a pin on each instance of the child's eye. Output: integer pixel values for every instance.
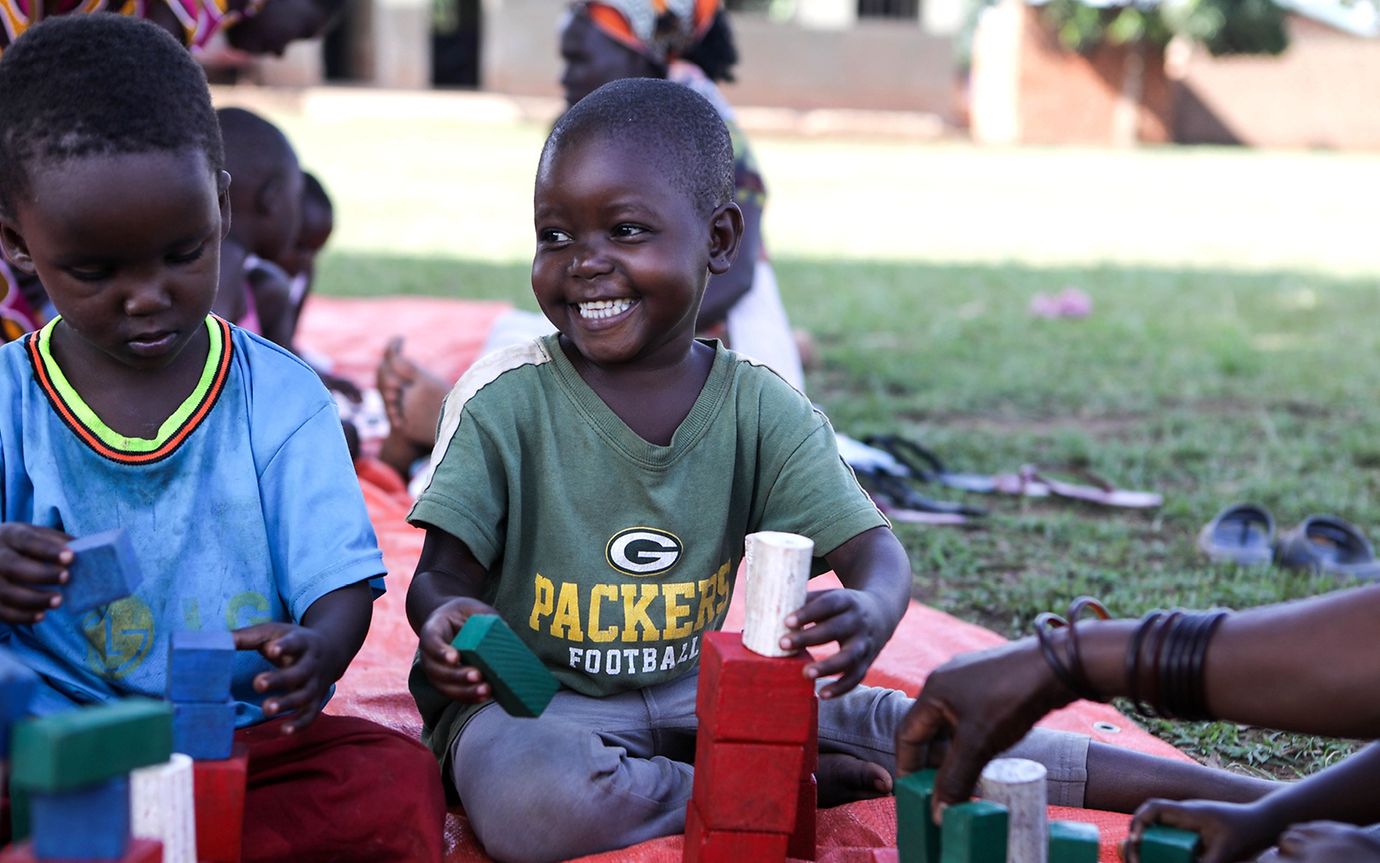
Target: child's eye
(187, 257)
(552, 235)
(89, 274)
(625, 231)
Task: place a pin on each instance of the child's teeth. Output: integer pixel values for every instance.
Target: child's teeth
(604, 308)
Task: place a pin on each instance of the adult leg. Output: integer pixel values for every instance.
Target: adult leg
(343, 789)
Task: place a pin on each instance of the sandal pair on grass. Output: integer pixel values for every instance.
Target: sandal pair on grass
(1244, 534)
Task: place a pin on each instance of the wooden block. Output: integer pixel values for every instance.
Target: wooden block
(86, 746)
(802, 842)
(746, 698)
(203, 731)
(90, 823)
(521, 684)
(885, 855)
(747, 786)
(1161, 844)
(105, 569)
(1072, 842)
(19, 813)
(703, 845)
(219, 787)
(161, 807)
(200, 666)
(974, 832)
(139, 851)
(776, 572)
(1019, 785)
(917, 836)
(17, 684)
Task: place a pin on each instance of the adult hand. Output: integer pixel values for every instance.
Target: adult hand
(1325, 842)
(1229, 831)
(306, 668)
(854, 619)
(33, 565)
(441, 661)
(982, 703)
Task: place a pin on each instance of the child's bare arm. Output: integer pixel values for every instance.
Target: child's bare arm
(309, 657)
(444, 594)
(33, 565)
(875, 573)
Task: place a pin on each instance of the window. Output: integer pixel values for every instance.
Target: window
(888, 8)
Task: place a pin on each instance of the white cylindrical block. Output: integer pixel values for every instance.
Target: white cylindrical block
(162, 807)
(778, 569)
(1019, 785)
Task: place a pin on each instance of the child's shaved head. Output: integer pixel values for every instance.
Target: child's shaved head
(678, 129)
(96, 85)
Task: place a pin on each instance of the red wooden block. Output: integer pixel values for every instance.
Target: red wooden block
(140, 851)
(748, 786)
(885, 855)
(703, 845)
(218, 787)
(802, 842)
(746, 697)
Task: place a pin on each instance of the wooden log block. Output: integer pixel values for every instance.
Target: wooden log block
(749, 698)
(17, 685)
(778, 569)
(1019, 785)
(203, 731)
(520, 682)
(162, 807)
(87, 823)
(82, 747)
(1073, 842)
(917, 836)
(974, 832)
(139, 851)
(103, 570)
(219, 788)
(751, 787)
(703, 845)
(1161, 844)
(200, 665)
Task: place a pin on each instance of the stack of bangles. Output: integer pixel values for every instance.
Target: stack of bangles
(1164, 660)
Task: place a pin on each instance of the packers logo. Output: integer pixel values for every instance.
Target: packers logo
(643, 551)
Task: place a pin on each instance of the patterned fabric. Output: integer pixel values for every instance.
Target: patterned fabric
(17, 317)
(659, 29)
(200, 19)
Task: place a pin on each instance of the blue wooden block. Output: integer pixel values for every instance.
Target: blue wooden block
(89, 823)
(104, 570)
(206, 732)
(199, 666)
(17, 685)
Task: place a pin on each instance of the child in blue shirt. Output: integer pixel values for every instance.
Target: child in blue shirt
(217, 452)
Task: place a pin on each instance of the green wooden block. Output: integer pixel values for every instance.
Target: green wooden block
(19, 813)
(917, 836)
(521, 684)
(1161, 844)
(1072, 842)
(975, 832)
(82, 747)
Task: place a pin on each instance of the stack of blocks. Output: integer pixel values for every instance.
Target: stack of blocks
(200, 668)
(519, 681)
(71, 770)
(755, 756)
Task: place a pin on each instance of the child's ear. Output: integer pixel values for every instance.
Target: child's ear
(266, 199)
(223, 199)
(725, 235)
(15, 249)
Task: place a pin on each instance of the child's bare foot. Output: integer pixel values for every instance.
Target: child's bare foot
(844, 778)
(412, 395)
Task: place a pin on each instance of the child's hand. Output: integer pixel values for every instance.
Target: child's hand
(441, 662)
(1325, 842)
(1229, 831)
(33, 564)
(304, 659)
(854, 619)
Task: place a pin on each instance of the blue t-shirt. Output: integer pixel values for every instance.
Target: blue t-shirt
(244, 509)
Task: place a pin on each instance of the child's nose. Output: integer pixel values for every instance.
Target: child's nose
(588, 262)
(146, 296)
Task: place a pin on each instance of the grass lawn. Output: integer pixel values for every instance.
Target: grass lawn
(1230, 355)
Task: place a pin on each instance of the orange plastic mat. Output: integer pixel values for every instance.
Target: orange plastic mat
(449, 334)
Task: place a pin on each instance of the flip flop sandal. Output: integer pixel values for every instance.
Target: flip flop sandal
(1328, 544)
(925, 466)
(1100, 491)
(1243, 534)
(894, 497)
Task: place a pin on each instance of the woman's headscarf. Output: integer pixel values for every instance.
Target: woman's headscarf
(660, 30)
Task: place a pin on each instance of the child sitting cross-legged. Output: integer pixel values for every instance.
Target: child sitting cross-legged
(219, 453)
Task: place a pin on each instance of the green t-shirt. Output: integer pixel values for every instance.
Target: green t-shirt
(608, 555)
